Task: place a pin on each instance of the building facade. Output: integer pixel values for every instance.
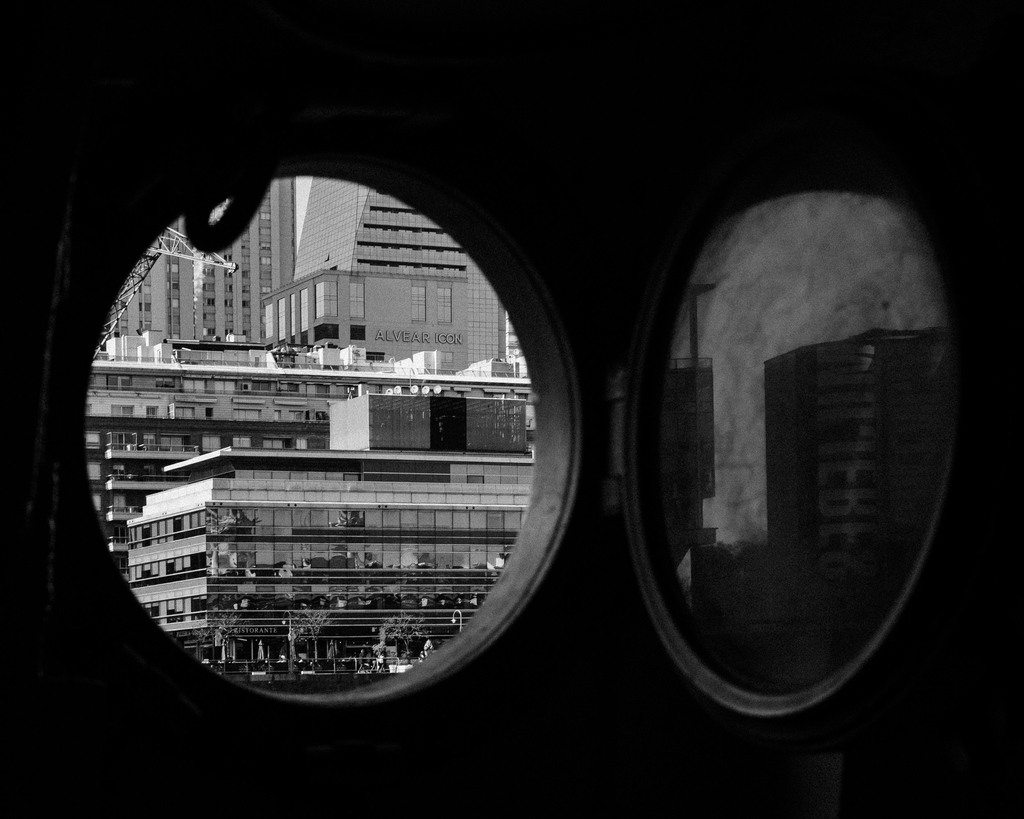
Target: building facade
(688, 454)
(154, 401)
(264, 560)
(413, 274)
(385, 317)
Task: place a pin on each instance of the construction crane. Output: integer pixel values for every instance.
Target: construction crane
(169, 243)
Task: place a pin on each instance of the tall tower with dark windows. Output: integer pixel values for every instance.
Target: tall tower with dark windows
(858, 438)
(370, 235)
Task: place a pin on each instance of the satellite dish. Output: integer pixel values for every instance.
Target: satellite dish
(438, 390)
(389, 391)
(414, 389)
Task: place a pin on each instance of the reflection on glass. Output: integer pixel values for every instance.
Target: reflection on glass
(312, 463)
(806, 428)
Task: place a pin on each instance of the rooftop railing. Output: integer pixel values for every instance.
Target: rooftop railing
(151, 448)
(302, 362)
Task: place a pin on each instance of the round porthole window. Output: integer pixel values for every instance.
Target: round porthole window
(804, 384)
(316, 454)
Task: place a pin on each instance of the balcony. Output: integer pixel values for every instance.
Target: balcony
(145, 483)
(123, 512)
(163, 452)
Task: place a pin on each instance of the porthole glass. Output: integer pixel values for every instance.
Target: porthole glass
(807, 422)
(313, 452)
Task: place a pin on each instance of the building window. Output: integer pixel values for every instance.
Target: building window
(326, 299)
(92, 440)
(211, 442)
(122, 410)
(325, 331)
(93, 470)
(444, 304)
(245, 415)
(357, 332)
(268, 320)
(241, 441)
(373, 356)
(281, 307)
(276, 443)
(419, 302)
(304, 309)
(152, 412)
(356, 303)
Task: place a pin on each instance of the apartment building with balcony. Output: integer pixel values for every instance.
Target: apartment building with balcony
(153, 402)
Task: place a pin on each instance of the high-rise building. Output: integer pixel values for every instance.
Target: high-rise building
(369, 235)
(858, 437)
(182, 299)
(857, 432)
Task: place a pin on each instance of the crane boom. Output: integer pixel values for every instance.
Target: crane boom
(170, 243)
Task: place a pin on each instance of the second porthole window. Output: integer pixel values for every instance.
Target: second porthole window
(806, 415)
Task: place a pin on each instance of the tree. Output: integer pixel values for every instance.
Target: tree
(312, 622)
(403, 629)
(219, 623)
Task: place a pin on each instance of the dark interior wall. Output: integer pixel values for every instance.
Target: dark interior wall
(585, 137)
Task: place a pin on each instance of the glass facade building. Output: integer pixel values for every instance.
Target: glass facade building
(301, 556)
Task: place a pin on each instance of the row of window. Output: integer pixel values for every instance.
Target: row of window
(284, 522)
(132, 442)
(325, 303)
(218, 385)
(177, 610)
(187, 411)
(314, 563)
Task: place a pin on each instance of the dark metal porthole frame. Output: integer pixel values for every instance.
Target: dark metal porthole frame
(853, 695)
(553, 384)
